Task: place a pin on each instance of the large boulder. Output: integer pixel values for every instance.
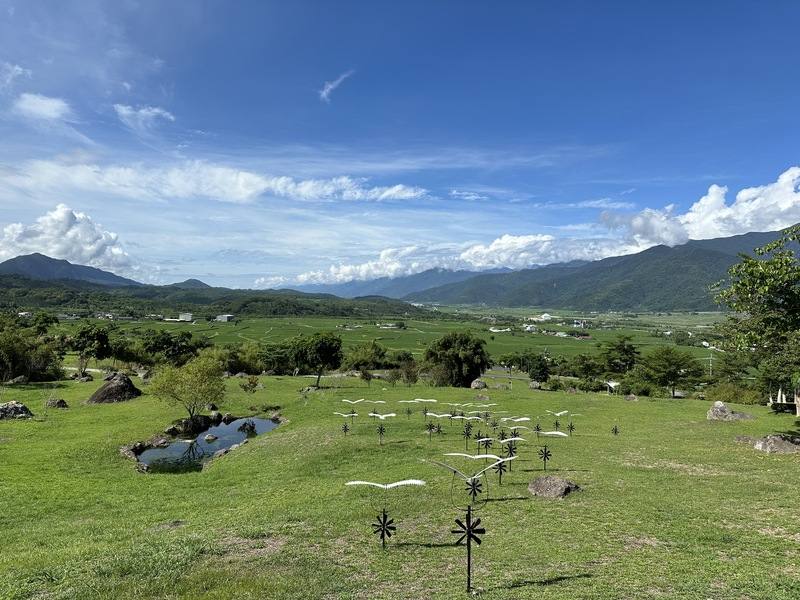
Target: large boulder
(117, 389)
(719, 411)
(57, 403)
(778, 444)
(21, 380)
(550, 486)
(535, 385)
(14, 410)
(478, 384)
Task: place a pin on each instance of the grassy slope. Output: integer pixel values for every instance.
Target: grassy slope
(672, 508)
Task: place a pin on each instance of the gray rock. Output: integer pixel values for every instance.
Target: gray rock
(228, 418)
(482, 397)
(550, 486)
(172, 430)
(631, 398)
(778, 444)
(57, 403)
(215, 416)
(117, 389)
(21, 380)
(535, 385)
(501, 386)
(14, 410)
(219, 453)
(212, 407)
(210, 437)
(719, 411)
(478, 384)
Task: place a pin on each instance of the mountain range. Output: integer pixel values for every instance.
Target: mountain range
(659, 278)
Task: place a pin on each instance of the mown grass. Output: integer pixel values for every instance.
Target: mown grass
(672, 508)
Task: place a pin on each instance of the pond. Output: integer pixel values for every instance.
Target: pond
(185, 455)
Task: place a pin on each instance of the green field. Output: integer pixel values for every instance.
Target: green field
(672, 508)
(419, 334)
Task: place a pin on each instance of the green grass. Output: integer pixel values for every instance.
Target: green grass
(671, 508)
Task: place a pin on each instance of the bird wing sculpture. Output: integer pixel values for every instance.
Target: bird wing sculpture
(425, 400)
(353, 401)
(382, 417)
(560, 413)
(346, 415)
(474, 456)
(553, 434)
(388, 486)
(513, 439)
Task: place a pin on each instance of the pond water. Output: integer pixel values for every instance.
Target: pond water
(184, 455)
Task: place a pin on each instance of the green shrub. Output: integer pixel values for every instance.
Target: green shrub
(730, 392)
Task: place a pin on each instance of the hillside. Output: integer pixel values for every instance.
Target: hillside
(660, 278)
(40, 267)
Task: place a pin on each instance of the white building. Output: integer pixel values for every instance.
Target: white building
(186, 317)
(225, 318)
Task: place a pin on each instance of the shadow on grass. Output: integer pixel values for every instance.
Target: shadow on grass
(425, 545)
(539, 582)
(507, 498)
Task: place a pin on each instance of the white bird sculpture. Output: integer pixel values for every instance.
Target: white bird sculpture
(516, 419)
(553, 434)
(558, 414)
(382, 417)
(438, 416)
(353, 401)
(388, 486)
(474, 456)
(469, 478)
(425, 400)
(347, 416)
(375, 401)
(513, 439)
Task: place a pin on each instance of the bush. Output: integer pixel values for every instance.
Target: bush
(554, 384)
(730, 392)
(591, 385)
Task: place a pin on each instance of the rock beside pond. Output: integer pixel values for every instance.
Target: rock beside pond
(478, 384)
(210, 438)
(117, 389)
(14, 410)
(550, 486)
(172, 430)
(222, 452)
(778, 444)
(228, 418)
(632, 398)
(212, 407)
(719, 411)
(215, 416)
(57, 403)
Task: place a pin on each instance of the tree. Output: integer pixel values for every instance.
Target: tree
(619, 355)
(462, 356)
(318, 353)
(365, 356)
(366, 375)
(90, 341)
(192, 386)
(668, 367)
(250, 385)
(585, 366)
(539, 368)
(763, 291)
(393, 376)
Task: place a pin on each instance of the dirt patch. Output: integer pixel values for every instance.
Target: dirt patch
(640, 542)
(169, 525)
(780, 533)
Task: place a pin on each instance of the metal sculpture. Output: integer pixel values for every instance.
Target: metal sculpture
(615, 430)
(571, 427)
(545, 455)
(384, 527)
(345, 428)
(381, 432)
(469, 530)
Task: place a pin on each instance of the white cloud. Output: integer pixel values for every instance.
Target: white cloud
(9, 73)
(330, 86)
(467, 195)
(42, 108)
(193, 179)
(66, 234)
(142, 120)
(763, 208)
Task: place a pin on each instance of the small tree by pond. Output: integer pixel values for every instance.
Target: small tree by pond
(250, 385)
(191, 387)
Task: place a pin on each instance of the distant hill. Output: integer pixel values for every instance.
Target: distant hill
(40, 267)
(660, 278)
(396, 287)
(190, 284)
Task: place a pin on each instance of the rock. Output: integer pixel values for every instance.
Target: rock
(226, 374)
(215, 416)
(550, 486)
(57, 403)
(720, 412)
(478, 384)
(145, 374)
(85, 379)
(14, 410)
(500, 386)
(482, 398)
(307, 389)
(212, 407)
(21, 380)
(241, 375)
(219, 453)
(210, 438)
(248, 428)
(195, 425)
(535, 385)
(117, 389)
(171, 430)
(228, 418)
(631, 398)
(109, 376)
(778, 444)
(572, 390)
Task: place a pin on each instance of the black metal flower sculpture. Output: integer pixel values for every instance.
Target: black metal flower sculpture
(538, 429)
(545, 455)
(467, 434)
(439, 430)
(469, 531)
(345, 429)
(494, 425)
(557, 425)
(478, 436)
(424, 413)
(615, 430)
(500, 467)
(502, 435)
(474, 488)
(430, 428)
(381, 432)
(384, 527)
(486, 443)
(515, 432)
(409, 412)
(571, 427)
(511, 452)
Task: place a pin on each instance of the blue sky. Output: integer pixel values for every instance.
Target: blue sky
(282, 143)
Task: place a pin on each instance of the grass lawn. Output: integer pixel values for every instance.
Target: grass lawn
(671, 508)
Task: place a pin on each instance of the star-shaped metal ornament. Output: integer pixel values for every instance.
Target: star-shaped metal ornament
(384, 527)
(469, 530)
(615, 430)
(545, 455)
(474, 488)
(571, 427)
(381, 432)
(345, 428)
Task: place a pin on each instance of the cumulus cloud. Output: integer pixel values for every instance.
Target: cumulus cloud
(9, 73)
(763, 208)
(67, 234)
(195, 179)
(330, 86)
(142, 120)
(42, 108)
